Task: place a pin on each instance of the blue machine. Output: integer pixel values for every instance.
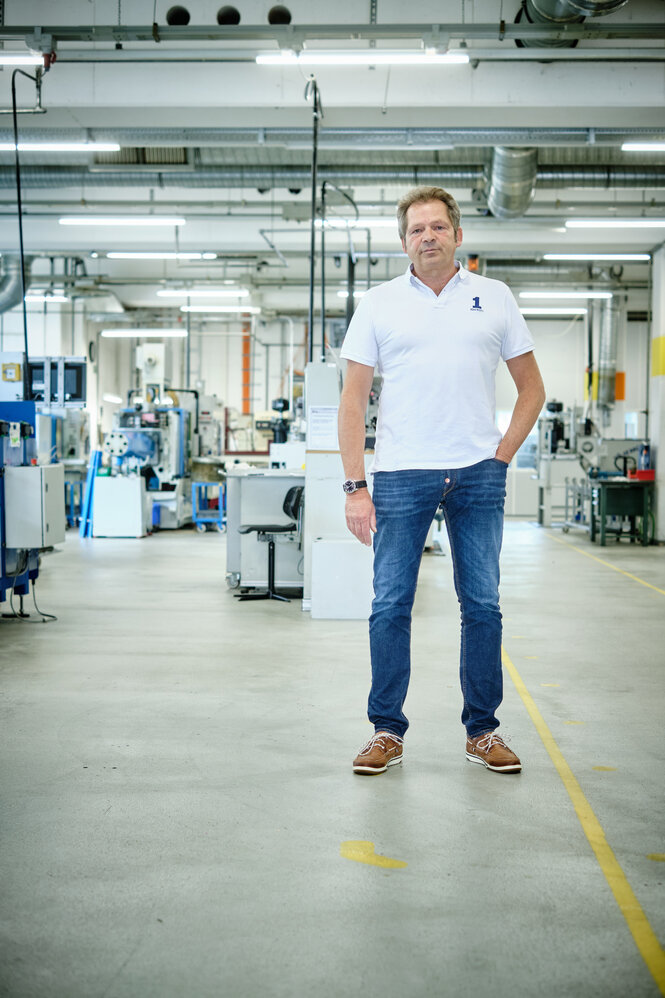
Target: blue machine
(17, 449)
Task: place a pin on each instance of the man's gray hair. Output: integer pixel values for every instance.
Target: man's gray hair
(421, 195)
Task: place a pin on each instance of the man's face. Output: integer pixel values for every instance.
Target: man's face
(430, 241)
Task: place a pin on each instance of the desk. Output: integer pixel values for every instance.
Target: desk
(620, 497)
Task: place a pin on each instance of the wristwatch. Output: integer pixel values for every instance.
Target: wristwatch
(350, 486)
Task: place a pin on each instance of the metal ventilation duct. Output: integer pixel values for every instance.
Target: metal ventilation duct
(11, 286)
(268, 177)
(512, 181)
(562, 12)
(607, 352)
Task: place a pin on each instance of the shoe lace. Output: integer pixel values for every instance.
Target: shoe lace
(379, 738)
(491, 738)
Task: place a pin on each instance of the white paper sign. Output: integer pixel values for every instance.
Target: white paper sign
(322, 427)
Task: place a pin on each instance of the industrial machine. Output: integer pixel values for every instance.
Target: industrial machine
(161, 442)
(32, 502)
(150, 448)
(55, 387)
(572, 455)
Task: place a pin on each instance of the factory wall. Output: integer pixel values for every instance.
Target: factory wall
(216, 361)
(561, 351)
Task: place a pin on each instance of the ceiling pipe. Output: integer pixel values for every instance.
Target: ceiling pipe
(11, 285)
(512, 181)
(607, 353)
(560, 13)
(266, 177)
(339, 138)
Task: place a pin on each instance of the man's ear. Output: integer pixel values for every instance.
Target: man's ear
(459, 236)
(404, 245)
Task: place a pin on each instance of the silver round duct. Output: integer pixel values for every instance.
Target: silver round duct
(512, 181)
(554, 12)
(11, 288)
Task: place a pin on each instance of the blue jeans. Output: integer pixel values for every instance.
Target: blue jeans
(406, 501)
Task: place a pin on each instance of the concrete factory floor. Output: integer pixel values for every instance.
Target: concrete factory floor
(177, 794)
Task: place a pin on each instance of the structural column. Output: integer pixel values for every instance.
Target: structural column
(657, 387)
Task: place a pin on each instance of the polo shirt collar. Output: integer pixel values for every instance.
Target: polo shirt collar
(462, 274)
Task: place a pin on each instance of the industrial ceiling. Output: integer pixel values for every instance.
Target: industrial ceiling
(527, 134)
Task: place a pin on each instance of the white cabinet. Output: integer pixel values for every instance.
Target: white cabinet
(35, 506)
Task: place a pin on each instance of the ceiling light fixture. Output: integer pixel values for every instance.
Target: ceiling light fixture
(615, 223)
(61, 147)
(356, 294)
(127, 221)
(364, 57)
(565, 294)
(115, 399)
(359, 223)
(31, 299)
(21, 59)
(643, 147)
(627, 257)
(203, 293)
(251, 309)
(150, 255)
(531, 310)
(126, 332)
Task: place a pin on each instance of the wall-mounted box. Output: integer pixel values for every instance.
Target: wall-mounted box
(34, 506)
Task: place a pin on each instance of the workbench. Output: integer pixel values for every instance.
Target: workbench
(620, 497)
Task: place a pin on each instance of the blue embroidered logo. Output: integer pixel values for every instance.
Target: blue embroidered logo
(476, 307)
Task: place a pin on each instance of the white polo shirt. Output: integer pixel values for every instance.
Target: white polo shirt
(438, 355)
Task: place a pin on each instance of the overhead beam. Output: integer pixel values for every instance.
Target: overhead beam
(293, 36)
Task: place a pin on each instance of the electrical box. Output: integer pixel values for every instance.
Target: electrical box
(11, 377)
(34, 506)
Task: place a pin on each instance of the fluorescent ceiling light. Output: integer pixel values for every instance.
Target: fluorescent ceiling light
(531, 310)
(565, 294)
(361, 223)
(126, 332)
(30, 298)
(627, 257)
(130, 220)
(356, 294)
(150, 255)
(21, 59)
(615, 223)
(203, 293)
(364, 57)
(61, 147)
(252, 309)
(112, 398)
(643, 147)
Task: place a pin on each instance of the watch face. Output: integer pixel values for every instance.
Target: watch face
(349, 486)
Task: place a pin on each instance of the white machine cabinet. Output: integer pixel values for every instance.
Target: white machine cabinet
(35, 505)
(121, 506)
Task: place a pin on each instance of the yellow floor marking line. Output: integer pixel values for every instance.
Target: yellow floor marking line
(605, 769)
(657, 857)
(550, 684)
(363, 852)
(638, 923)
(574, 722)
(531, 656)
(608, 564)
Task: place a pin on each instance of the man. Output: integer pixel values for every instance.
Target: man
(436, 335)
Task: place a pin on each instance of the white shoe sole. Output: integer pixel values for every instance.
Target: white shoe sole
(371, 771)
(495, 769)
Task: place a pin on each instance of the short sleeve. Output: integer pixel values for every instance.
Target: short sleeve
(360, 341)
(516, 338)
